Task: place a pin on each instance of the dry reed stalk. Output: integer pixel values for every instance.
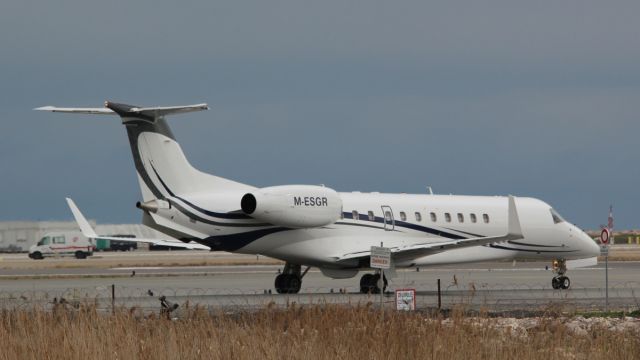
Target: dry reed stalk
(309, 332)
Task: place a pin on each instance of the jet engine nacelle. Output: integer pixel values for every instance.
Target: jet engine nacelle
(294, 206)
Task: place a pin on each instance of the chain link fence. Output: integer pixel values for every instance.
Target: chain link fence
(491, 297)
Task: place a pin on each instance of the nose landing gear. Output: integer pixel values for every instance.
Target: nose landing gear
(560, 280)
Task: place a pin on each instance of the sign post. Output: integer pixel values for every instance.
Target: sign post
(381, 259)
(605, 236)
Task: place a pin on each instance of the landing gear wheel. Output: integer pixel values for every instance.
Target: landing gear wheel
(565, 283)
(280, 283)
(555, 283)
(367, 284)
(293, 285)
(288, 284)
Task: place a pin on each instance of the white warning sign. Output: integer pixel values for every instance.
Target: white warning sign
(405, 299)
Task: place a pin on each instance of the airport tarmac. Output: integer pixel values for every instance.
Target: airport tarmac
(497, 284)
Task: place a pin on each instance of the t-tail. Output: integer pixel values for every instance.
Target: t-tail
(162, 168)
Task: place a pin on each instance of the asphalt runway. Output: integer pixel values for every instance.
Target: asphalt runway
(499, 285)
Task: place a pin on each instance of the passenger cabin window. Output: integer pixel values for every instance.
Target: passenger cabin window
(371, 216)
(355, 215)
(447, 217)
(460, 218)
(44, 241)
(434, 218)
(403, 216)
(485, 218)
(473, 218)
(557, 219)
(58, 239)
(418, 217)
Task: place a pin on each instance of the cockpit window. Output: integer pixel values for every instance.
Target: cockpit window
(557, 219)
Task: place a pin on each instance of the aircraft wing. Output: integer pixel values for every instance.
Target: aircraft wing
(413, 251)
(88, 231)
(175, 243)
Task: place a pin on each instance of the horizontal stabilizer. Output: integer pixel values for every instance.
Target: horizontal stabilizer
(111, 108)
(91, 111)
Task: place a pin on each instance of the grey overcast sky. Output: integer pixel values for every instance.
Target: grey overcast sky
(535, 98)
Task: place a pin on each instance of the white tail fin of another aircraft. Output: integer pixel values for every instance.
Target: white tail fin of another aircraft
(88, 231)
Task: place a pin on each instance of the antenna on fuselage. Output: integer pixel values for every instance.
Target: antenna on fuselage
(430, 190)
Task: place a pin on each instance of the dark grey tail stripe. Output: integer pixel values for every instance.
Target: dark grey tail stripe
(209, 213)
(210, 222)
(235, 242)
(134, 129)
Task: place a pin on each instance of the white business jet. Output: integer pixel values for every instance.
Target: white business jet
(315, 226)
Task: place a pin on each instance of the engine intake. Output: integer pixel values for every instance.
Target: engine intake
(248, 204)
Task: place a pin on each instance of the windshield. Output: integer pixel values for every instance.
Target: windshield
(556, 217)
(44, 241)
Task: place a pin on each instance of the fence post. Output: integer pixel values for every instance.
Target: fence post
(439, 298)
(113, 299)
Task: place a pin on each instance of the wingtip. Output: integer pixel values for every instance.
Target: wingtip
(86, 228)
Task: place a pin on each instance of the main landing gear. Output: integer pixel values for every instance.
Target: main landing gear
(560, 281)
(290, 281)
(369, 283)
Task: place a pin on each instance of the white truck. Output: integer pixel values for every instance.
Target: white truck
(62, 243)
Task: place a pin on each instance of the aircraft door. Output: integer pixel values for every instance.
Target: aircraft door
(387, 216)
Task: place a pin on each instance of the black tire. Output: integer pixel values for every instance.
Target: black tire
(374, 284)
(293, 284)
(37, 255)
(288, 284)
(555, 283)
(280, 283)
(367, 284)
(81, 255)
(565, 282)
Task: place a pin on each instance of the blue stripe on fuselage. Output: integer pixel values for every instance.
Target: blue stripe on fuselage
(377, 219)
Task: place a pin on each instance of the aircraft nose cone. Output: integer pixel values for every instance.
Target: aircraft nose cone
(592, 248)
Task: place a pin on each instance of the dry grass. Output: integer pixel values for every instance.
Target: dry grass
(314, 332)
(631, 253)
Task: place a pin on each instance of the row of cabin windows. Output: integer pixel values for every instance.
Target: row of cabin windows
(418, 216)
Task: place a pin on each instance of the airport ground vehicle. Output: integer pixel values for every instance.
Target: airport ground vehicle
(62, 243)
(116, 245)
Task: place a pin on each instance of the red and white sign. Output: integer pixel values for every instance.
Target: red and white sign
(605, 236)
(380, 257)
(405, 299)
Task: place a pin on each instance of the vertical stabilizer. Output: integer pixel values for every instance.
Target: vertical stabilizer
(162, 168)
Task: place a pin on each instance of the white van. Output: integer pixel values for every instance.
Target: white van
(63, 243)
